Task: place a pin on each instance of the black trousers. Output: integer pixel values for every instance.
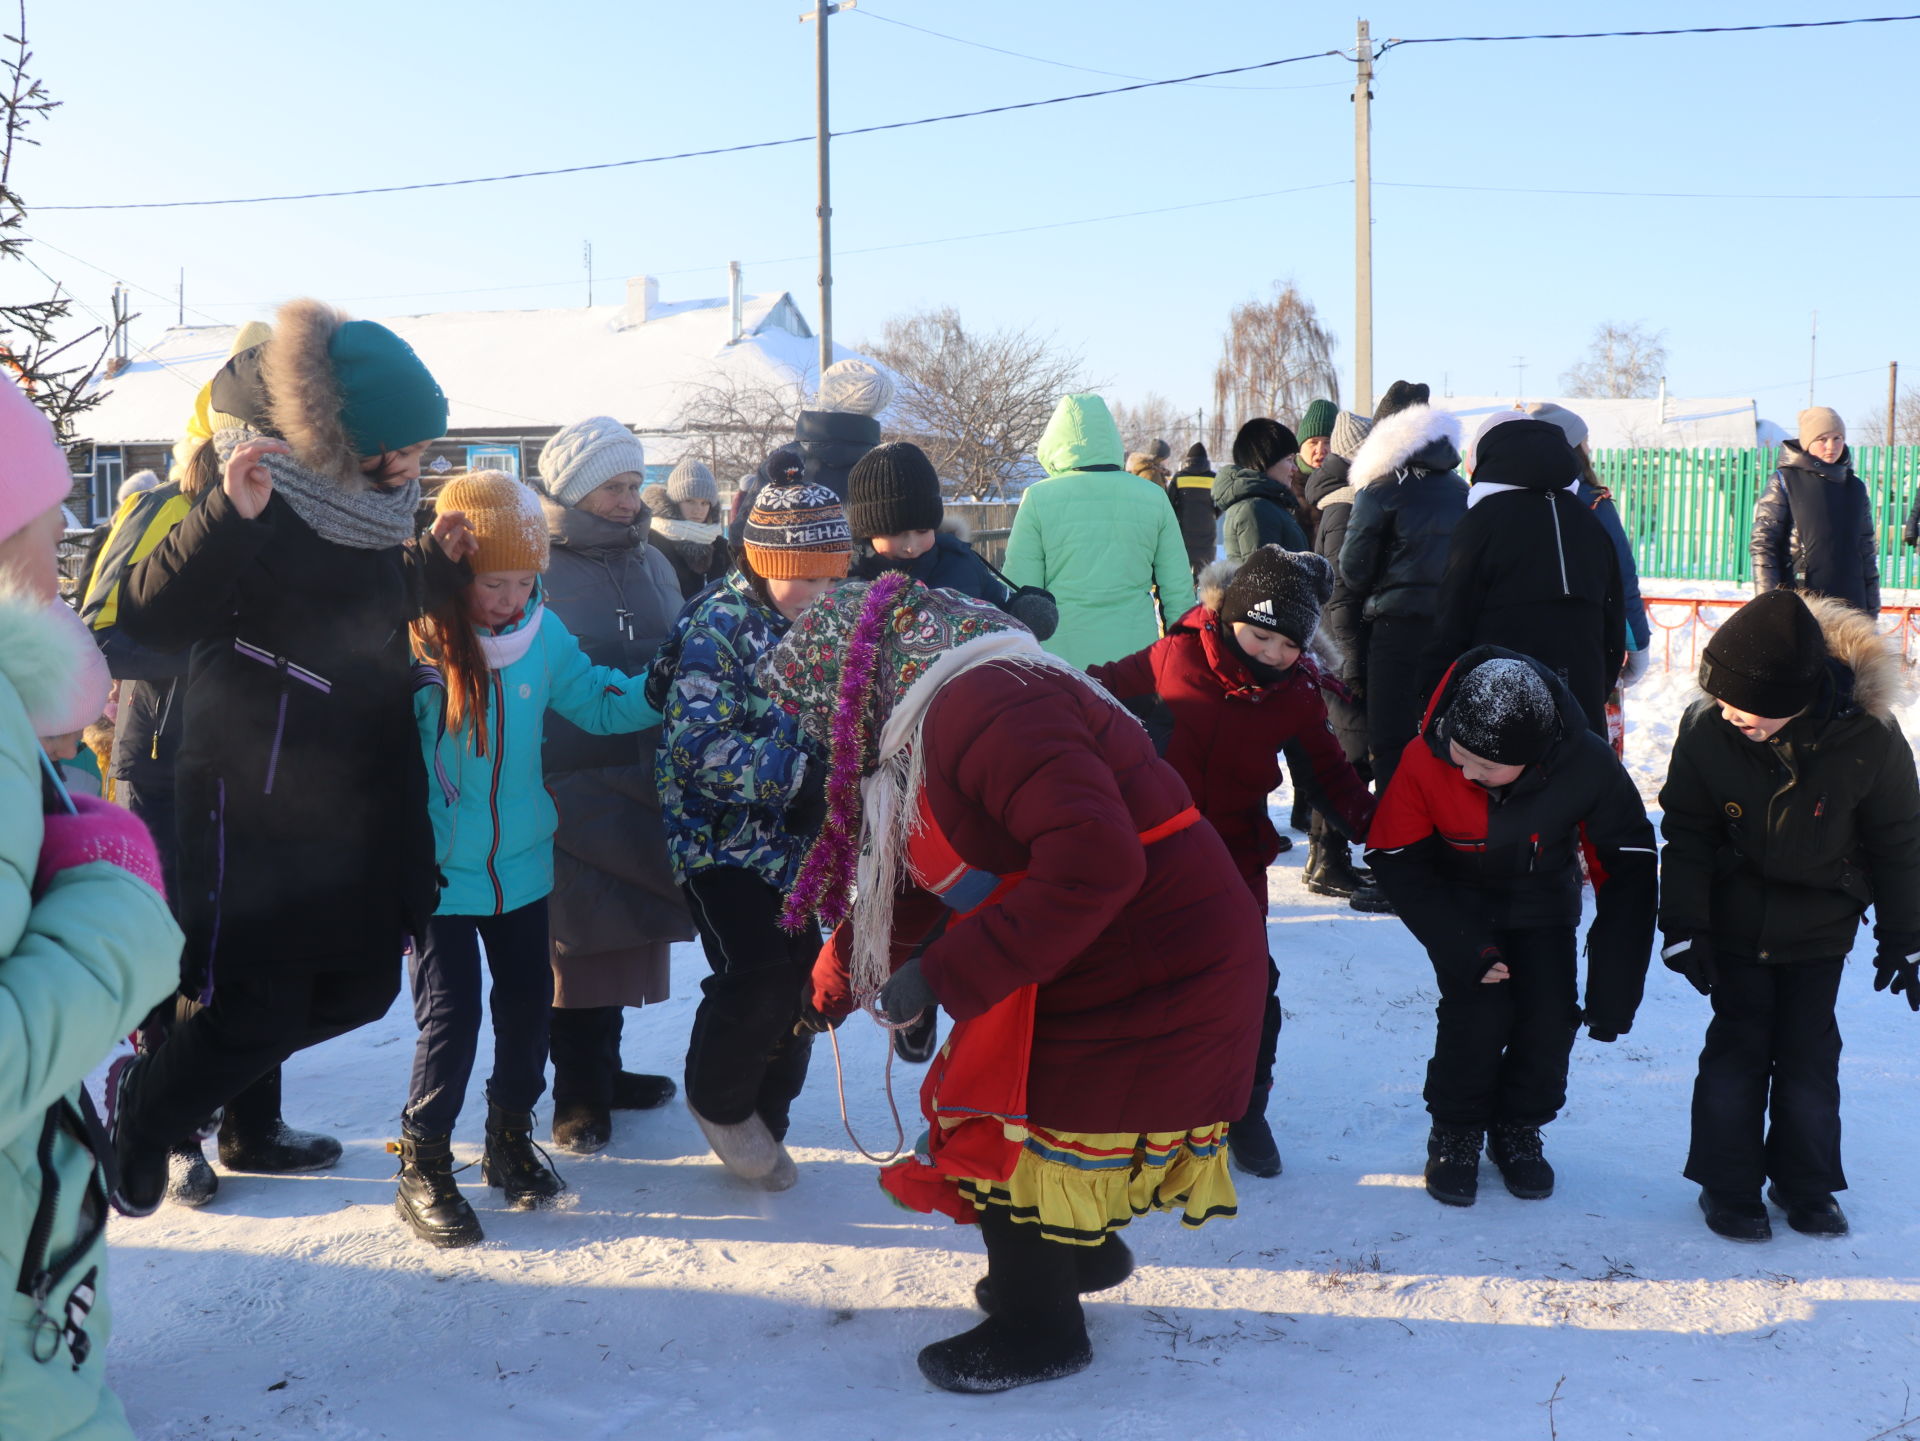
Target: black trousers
(1269, 1035)
(743, 1056)
(1766, 1104)
(1500, 1051)
(585, 1044)
(445, 969)
(1394, 698)
(256, 1019)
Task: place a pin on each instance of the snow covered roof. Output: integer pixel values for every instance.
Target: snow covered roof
(508, 369)
(1654, 422)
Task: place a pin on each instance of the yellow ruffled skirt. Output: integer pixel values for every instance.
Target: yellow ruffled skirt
(1078, 1186)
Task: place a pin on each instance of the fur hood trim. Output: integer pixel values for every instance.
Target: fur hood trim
(956, 525)
(1211, 589)
(1401, 436)
(39, 656)
(1880, 680)
(303, 398)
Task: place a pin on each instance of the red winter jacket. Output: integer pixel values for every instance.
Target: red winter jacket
(1227, 733)
(1152, 973)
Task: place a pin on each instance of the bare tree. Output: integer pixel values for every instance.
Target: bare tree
(1622, 361)
(975, 402)
(736, 421)
(1906, 422)
(1156, 418)
(1275, 358)
(47, 368)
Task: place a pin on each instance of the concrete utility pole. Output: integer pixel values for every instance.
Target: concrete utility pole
(822, 137)
(1363, 225)
(1893, 391)
(1813, 355)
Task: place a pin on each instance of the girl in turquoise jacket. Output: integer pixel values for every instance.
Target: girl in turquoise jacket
(493, 660)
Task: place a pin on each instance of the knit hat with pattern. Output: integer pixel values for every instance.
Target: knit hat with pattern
(1317, 421)
(1349, 430)
(798, 532)
(1279, 590)
(691, 480)
(505, 516)
(582, 457)
(893, 488)
(1503, 711)
(1767, 658)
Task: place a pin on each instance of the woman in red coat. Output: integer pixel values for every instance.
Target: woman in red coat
(1012, 823)
(1235, 679)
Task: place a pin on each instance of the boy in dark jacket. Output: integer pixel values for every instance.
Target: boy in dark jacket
(1790, 807)
(1476, 842)
(1813, 525)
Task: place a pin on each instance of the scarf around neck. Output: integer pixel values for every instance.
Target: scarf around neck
(699, 532)
(373, 518)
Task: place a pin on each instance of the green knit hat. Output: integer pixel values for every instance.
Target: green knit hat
(1317, 422)
(388, 400)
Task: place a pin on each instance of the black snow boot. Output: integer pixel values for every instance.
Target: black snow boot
(1735, 1215)
(514, 1163)
(1095, 1268)
(429, 1201)
(253, 1137)
(1329, 869)
(580, 1128)
(190, 1180)
(640, 1091)
(915, 1044)
(1516, 1151)
(141, 1162)
(1250, 1139)
(1811, 1215)
(1037, 1331)
(1453, 1164)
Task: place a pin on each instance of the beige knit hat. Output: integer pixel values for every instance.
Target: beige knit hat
(505, 516)
(1819, 420)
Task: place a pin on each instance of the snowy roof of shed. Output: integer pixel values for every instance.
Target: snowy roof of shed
(1672, 422)
(502, 369)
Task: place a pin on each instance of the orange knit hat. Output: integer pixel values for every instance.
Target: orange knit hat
(505, 516)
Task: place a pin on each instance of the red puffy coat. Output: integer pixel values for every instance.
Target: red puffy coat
(1228, 730)
(1152, 971)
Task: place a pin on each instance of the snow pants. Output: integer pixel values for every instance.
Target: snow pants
(1394, 701)
(743, 1056)
(1766, 1103)
(1500, 1052)
(445, 969)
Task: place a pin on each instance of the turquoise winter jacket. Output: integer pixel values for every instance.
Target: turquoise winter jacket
(493, 821)
(79, 966)
(1099, 538)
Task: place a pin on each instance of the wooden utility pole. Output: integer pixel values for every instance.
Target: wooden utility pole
(821, 138)
(1893, 391)
(1363, 225)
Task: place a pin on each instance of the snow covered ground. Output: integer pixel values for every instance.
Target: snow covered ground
(665, 1301)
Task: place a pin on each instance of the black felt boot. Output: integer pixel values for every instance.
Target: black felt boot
(1523, 1166)
(1250, 1139)
(141, 1161)
(253, 1137)
(640, 1091)
(1095, 1268)
(1453, 1164)
(581, 1128)
(514, 1163)
(1036, 1332)
(190, 1180)
(429, 1201)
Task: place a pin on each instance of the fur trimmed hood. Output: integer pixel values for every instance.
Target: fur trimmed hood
(1211, 588)
(1418, 435)
(39, 656)
(303, 398)
(1880, 680)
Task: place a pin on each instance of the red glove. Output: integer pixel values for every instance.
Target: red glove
(101, 831)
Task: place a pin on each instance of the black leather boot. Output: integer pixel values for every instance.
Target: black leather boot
(1329, 871)
(514, 1163)
(140, 1160)
(1250, 1139)
(429, 1201)
(1453, 1164)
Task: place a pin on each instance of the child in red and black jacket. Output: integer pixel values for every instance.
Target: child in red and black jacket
(1476, 842)
(1238, 685)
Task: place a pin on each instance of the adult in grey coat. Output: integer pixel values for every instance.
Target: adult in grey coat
(615, 911)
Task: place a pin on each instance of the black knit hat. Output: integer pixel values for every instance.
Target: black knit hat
(1767, 660)
(893, 488)
(1279, 590)
(1196, 462)
(1530, 453)
(1401, 395)
(1503, 711)
(1261, 442)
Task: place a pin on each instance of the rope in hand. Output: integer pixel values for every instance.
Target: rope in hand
(867, 1004)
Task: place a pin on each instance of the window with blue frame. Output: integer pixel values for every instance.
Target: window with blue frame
(494, 457)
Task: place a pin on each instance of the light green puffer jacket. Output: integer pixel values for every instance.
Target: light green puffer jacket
(78, 968)
(1099, 539)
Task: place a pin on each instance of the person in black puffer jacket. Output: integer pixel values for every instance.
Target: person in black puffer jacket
(1530, 567)
(844, 423)
(1407, 500)
(1813, 526)
(1191, 491)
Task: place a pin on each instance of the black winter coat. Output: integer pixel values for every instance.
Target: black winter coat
(1534, 571)
(1331, 493)
(301, 792)
(1776, 848)
(831, 441)
(695, 566)
(951, 564)
(1395, 549)
(1192, 495)
(1813, 531)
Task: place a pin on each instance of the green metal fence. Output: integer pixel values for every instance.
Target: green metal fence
(1689, 513)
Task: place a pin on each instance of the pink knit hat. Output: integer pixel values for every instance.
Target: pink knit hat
(33, 468)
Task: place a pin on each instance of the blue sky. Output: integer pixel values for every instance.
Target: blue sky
(219, 98)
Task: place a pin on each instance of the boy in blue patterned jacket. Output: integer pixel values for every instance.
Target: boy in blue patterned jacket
(742, 799)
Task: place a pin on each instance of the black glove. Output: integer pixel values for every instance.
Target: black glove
(1898, 972)
(1601, 1030)
(907, 994)
(807, 811)
(813, 1021)
(1692, 957)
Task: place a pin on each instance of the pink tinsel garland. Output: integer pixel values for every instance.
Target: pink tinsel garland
(827, 875)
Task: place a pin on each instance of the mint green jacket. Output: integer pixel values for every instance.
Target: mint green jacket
(1099, 538)
(79, 967)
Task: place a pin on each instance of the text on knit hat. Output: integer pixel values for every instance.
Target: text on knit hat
(798, 532)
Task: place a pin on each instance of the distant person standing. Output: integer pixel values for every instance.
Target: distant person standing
(1255, 496)
(1813, 527)
(1191, 491)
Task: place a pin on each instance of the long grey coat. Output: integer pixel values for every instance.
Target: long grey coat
(615, 908)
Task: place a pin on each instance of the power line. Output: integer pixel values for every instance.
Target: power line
(699, 154)
(1636, 194)
(1639, 34)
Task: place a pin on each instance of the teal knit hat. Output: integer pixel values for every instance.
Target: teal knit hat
(388, 400)
(1317, 421)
